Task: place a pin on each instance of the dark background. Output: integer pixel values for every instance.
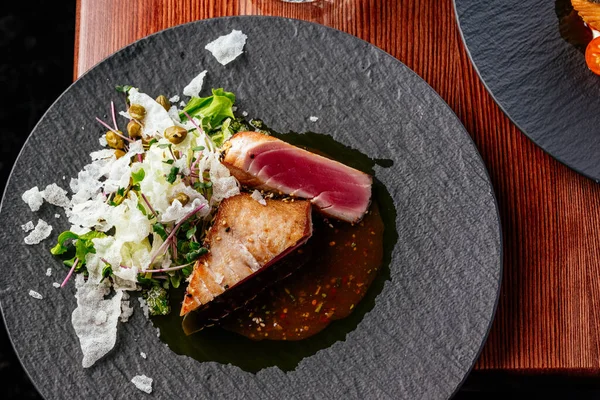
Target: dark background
(36, 66)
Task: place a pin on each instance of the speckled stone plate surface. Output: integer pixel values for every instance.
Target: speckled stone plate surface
(540, 80)
(432, 316)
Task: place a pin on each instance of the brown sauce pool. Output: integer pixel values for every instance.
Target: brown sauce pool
(343, 261)
(342, 272)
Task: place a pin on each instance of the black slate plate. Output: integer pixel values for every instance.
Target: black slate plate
(540, 80)
(431, 318)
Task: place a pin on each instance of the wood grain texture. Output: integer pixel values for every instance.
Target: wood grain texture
(547, 316)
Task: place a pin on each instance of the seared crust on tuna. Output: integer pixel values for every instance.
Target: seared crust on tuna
(264, 162)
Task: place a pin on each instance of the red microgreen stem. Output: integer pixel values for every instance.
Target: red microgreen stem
(112, 110)
(70, 273)
(163, 246)
(178, 267)
(113, 131)
(174, 248)
(148, 204)
(172, 154)
(193, 166)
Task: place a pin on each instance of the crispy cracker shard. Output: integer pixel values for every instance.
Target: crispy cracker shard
(246, 238)
(264, 162)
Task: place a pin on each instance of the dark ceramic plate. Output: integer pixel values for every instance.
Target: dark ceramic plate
(539, 79)
(429, 319)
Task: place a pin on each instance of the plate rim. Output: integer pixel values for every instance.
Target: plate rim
(444, 104)
(502, 107)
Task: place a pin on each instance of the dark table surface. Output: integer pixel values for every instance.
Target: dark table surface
(37, 65)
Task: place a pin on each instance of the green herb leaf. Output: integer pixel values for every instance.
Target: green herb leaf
(198, 185)
(85, 246)
(172, 175)
(142, 209)
(194, 255)
(159, 229)
(121, 191)
(142, 280)
(123, 88)
(187, 271)
(60, 247)
(198, 148)
(175, 280)
(170, 161)
(164, 145)
(106, 272)
(223, 134)
(151, 142)
(190, 232)
(139, 176)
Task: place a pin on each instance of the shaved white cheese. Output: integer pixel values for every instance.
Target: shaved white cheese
(49, 272)
(91, 214)
(144, 307)
(135, 148)
(157, 118)
(103, 154)
(95, 319)
(174, 99)
(89, 181)
(143, 383)
(118, 175)
(56, 285)
(56, 195)
(195, 86)
(258, 197)
(143, 355)
(312, 118)
(224, 185)
(35, 295)
(182, 164)
(28, 226)
(126, 309)
(34, 198)
(127, 215)
(57, 216)
(176, 212)
(41, 231)
(228, 47)
(174, 114)
(103, 141)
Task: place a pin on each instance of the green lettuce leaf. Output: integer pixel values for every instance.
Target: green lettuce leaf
(212, 110)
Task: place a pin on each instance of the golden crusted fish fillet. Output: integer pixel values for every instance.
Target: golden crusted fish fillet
(245, 238)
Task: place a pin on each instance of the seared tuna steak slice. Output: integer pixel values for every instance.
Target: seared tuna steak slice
(246, 237)
(264, 162)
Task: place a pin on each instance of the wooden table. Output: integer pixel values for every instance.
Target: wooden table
(548, 316)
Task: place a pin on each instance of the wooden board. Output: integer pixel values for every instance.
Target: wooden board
(548, 316)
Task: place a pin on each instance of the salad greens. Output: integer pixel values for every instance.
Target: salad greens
(169, 185)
